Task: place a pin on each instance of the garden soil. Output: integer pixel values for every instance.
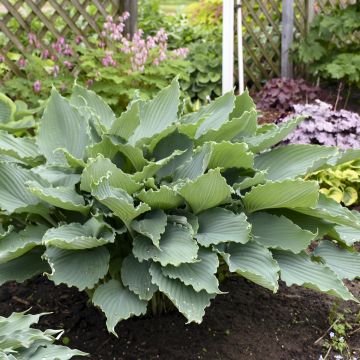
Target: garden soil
(248, 322)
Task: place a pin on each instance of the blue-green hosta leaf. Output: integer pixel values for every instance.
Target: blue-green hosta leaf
(344, 263)
(63, 197)
(200, 274)
(71, 160)
(105, 147)
(62, 126)
(6, 232)
(129, 120)
(7, 109)
(215, 114)
(291, 161)
(329, 210)
(16, 244)
(136, 276)
(80, 268)
(190, 303)
(245, 125)
(345, 156)
(154, 166)
(57, 175)
(118, 303)
(243, 103)
(23, 149)
(14, 195)
(298, 269)
(248, 182)
(51, 352)
(99, 167)
(282, 194)
(279, 233)
(152, 225)
(176, 247)
(227, 155)
(219, 225)
(346, 234)
(260, 142)
(157, 114)
(23, 268)
(75, 236)
(254, 262)
(84, 97)
(162, 198)
(207, 191)
(17, 126)
(118, 201)
(196, 165)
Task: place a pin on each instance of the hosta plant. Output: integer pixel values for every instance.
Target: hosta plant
(19, 341)
(151, 204)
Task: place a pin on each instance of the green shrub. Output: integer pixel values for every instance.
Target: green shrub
(18, 341)
(149, 204)
(332, 47)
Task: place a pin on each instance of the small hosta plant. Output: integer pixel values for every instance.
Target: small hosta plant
(19, 341)
(150, 204)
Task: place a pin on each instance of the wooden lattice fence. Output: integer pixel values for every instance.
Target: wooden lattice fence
(54, 18)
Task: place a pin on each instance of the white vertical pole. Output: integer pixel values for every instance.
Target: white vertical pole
(240, 47)
(228, 46)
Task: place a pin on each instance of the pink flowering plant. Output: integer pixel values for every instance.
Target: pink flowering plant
(109, 63)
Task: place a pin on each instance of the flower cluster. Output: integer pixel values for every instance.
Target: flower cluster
(325, 126)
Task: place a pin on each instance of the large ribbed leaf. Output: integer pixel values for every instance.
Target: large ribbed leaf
(214, 114)
(14, 195)
(282, 194)
(118, 303)
(230, 155)
(84, 97)
(63, 197)
(136, 276)
(157, 114)
(7, 109)
(176, 247)
(129, 120)
(329, 210)
(200, 274)
(292, 161)
(242, 104)
(75, 236)
(118, 201)
(207, 191)
(50, 352)
(99, 167)
(254, 262)
(80, 268)
(344, 263)
(57, 175)
(346, 234)
(245, 125)
(15, 244)
(219, 225)
(269, 138)
(162, 198)
(62, 126)
(300, 270)
(279, 232)
(23, 149)
(247, 181)
(152, 225)
(23, 268)
(190, 303)
(196, 165)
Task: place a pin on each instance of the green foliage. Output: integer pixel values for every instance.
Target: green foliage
(206, 13)
(154, 202)
(332, 46)
(18, 341)
(341, 183)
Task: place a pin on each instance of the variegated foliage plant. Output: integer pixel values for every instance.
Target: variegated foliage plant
(153, 201)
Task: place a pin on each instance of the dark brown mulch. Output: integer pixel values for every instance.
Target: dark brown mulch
(247, 323)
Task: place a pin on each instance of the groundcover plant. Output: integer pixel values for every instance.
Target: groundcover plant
(153, 203)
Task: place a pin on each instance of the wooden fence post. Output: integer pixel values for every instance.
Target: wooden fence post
(130, 6)
(309, 14)
(287, 37)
